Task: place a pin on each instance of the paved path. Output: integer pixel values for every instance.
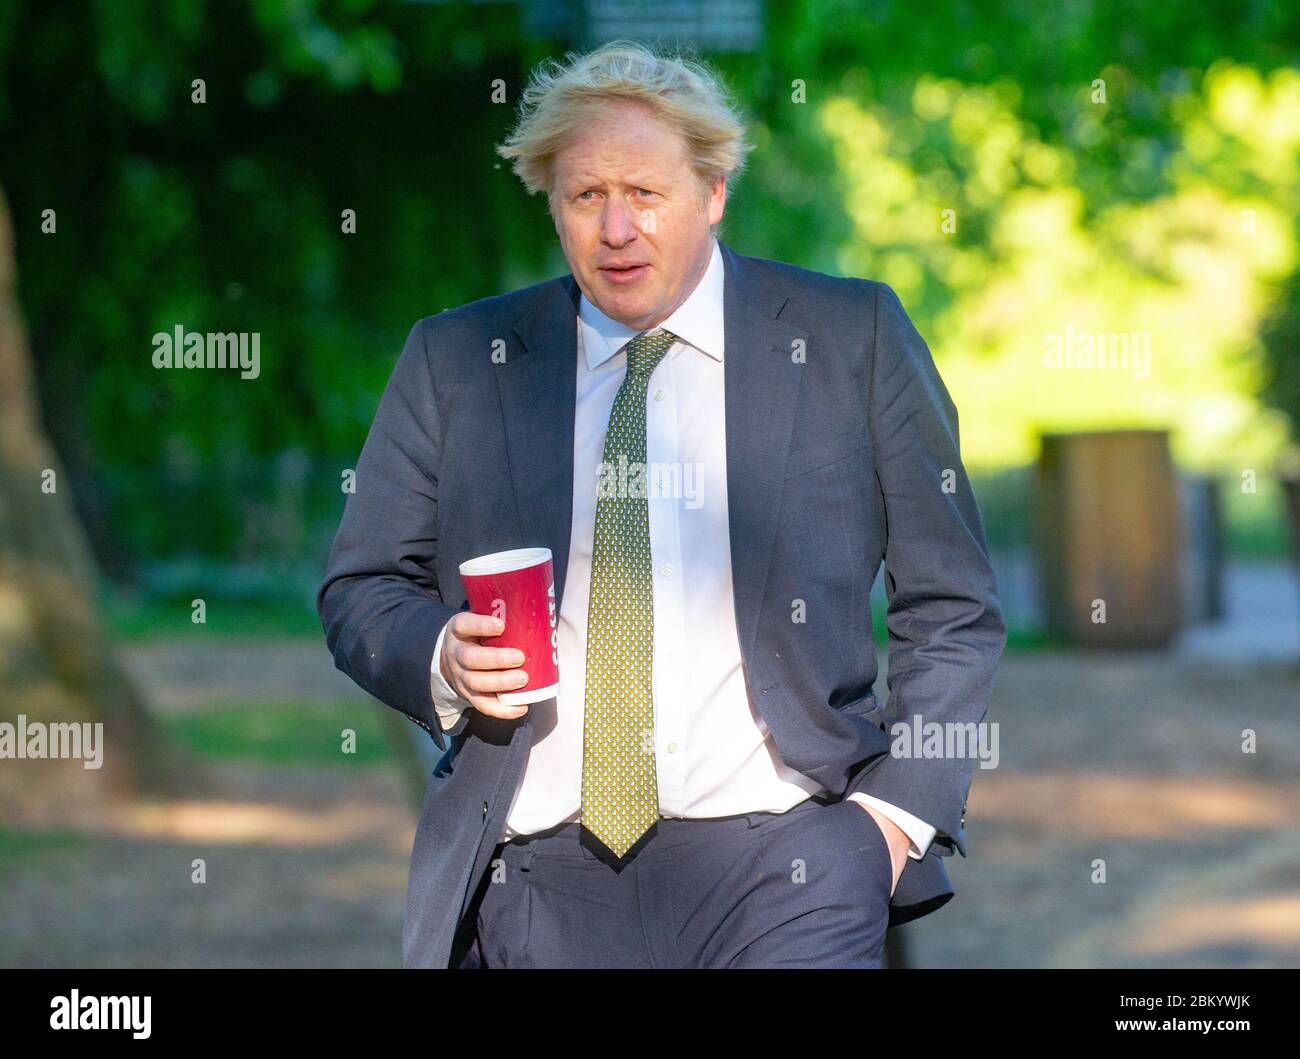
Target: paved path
(1131, 763)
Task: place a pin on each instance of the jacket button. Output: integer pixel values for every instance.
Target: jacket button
(485, 810)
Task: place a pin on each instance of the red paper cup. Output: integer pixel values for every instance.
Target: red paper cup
(519, 587)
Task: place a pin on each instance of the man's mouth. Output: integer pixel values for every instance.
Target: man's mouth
(624, 273)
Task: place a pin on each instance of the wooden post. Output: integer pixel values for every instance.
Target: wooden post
(1291, 491)
(1108, 538)
(1203, 549)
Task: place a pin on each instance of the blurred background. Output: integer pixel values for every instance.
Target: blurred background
(1089, 211)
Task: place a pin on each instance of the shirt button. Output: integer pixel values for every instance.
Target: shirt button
(666, 570)
(659, 395)
(672, 748)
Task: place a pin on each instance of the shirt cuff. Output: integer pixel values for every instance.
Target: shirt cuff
(446, 702)
(919, 833)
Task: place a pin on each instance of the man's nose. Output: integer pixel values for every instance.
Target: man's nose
(618, 224)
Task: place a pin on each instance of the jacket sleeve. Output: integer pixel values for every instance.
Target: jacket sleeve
(946, 632)
(380, 603)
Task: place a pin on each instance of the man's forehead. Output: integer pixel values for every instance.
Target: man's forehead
(652, 161)
(622, 171)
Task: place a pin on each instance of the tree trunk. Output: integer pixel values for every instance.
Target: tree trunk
(56, 664)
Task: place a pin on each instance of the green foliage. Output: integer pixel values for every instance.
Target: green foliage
(1280, 336)
(226, 215)
(981, 225)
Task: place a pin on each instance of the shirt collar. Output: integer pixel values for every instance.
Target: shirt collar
(698, 321)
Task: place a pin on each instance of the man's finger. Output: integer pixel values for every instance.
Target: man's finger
(476, 656)
(492, 706)
(467, 623)
(489, 682)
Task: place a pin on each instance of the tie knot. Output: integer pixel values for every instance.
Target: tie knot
(646, 350)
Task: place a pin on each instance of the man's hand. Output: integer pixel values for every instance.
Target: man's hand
(476, 672)
(895, 838)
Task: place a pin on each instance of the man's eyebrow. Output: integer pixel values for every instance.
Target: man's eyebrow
(577, 184)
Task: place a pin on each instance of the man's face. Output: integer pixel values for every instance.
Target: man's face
(632, 216)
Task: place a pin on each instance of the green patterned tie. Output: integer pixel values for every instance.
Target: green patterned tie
(620, 793)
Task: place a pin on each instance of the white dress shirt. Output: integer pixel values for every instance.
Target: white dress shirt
(713, 753)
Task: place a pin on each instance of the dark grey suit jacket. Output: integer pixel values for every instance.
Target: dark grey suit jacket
(839, 434)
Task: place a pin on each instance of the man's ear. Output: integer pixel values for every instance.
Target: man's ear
(717, 200)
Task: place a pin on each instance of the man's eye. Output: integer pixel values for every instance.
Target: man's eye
(644, 191)
(582, 196)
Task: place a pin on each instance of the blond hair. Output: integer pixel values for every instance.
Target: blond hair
(682, 91)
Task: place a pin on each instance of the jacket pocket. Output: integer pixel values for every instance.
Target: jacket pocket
(823, 453)
(868, 706)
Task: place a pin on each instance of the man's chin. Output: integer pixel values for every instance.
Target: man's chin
(625, 310)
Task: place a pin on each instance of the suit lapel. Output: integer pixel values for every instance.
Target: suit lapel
(537, 389)
(762, 391)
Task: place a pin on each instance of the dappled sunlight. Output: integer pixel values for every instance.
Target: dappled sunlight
(1271, 921)
(987, 230)
(1086, 806)
(360, 882)
(362, 816)
(228, 821)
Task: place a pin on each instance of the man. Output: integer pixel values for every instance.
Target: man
(713, 784)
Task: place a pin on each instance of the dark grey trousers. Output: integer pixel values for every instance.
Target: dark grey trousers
(805, 888)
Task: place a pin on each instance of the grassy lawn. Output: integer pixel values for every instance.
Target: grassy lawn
(146, 618)
(307, 733)
(18, 848)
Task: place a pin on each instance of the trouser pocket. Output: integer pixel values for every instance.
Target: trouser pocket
(503, 914)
